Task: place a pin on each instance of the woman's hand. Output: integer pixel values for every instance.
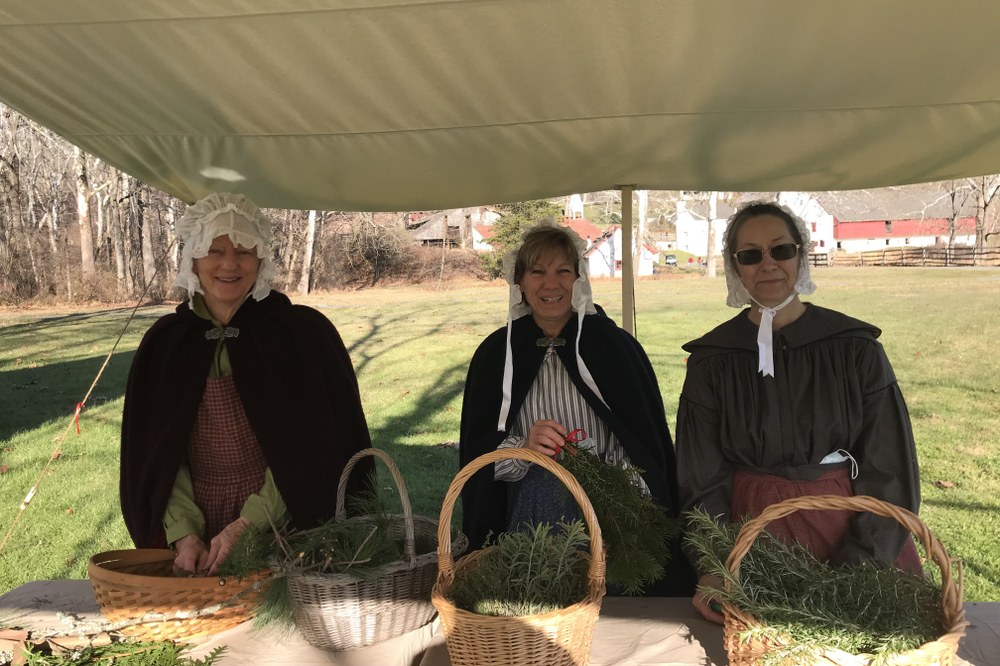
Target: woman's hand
(222, 544)
(546, 436)
(704, 601)
(191, 550)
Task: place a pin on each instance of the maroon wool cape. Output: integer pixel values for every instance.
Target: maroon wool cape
(298, 388)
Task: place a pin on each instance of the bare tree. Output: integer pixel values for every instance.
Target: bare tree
(640, 237)
(713, 213)
(83, 194)
(986, 190)
(307, 254)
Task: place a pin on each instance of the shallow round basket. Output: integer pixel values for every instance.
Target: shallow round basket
(138, 587)
(940, 652)
(560, 638)
(340, 612)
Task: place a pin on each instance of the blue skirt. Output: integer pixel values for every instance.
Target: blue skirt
(539, 498)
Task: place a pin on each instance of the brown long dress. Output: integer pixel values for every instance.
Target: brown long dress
(833, 389)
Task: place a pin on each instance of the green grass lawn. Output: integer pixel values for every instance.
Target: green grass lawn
(411, 347)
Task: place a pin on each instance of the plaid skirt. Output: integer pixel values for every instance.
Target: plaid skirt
(227, 464)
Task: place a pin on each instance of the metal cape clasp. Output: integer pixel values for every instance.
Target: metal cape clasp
(216, 333)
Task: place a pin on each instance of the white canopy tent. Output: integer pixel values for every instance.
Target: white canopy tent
(428, 104)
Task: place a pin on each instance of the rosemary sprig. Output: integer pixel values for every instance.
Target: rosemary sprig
(526, 573)
(809, 606)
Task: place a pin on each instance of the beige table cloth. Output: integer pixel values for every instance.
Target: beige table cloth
(630, 632)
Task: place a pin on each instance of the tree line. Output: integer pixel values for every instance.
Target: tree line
(75, 229)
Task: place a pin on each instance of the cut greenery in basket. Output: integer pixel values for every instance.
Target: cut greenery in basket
(637, 530)
(527, 573)
(362, 545)
(808, 606)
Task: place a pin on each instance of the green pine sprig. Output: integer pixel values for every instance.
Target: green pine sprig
(361, 545)
(124, 653)
(636, 530)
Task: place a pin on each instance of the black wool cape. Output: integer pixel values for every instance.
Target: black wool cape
(634, 413)
(295, 379)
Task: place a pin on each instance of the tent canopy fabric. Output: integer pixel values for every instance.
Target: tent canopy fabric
(429, 104)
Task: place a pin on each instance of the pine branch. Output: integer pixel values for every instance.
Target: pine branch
(636, 530)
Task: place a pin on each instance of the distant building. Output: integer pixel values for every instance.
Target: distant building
(850, 221)
(481, 235)
(604, 257)
(456, 227)
(692, 226)
(585, 229)
(911, 216)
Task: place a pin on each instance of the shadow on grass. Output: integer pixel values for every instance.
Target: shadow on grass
(30, 397)
(361, 349)
(428, 468)
(989, 571)
(144, 317)
(93, 542)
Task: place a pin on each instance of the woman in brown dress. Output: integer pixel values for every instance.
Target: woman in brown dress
(788, 399)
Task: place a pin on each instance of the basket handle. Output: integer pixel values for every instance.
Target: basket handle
(446, 562)
(409, 544)
(951, 594)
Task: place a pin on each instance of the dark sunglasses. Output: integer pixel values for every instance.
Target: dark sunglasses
(781, 252)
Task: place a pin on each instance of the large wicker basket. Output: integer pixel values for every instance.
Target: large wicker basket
(559, 638)
(940, 652)
(138, 587)
(341, 612)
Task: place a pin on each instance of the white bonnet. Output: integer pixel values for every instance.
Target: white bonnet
(224, 214)
(738, 295)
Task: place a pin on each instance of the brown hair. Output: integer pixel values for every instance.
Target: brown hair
(540, 240)
(748, 212)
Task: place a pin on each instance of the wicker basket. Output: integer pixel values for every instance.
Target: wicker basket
(940, 652)
(340, 612)
(138, 586)
(559, 638)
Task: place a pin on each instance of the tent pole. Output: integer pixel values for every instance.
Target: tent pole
(628, 321)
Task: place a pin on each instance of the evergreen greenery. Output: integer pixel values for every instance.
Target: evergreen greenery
(361, 545)
(526, 573)
(863, 608)
(636, 530)
(508, 229)
(152, 653)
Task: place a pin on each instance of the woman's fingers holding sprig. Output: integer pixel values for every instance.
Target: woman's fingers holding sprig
(222, 545)
(705, 601)
(546, 436)
(190, 550)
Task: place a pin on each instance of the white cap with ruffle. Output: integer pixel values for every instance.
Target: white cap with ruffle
(582, 301)
(224, 214)
(738, 295)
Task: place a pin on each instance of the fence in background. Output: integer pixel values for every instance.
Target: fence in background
(911, 256)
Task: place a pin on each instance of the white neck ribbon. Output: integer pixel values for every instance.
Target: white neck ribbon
(765, 336)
